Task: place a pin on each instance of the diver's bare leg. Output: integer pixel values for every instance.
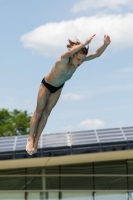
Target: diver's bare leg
(52, 100)
(42, 98)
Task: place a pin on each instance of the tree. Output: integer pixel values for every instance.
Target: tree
(14, 123)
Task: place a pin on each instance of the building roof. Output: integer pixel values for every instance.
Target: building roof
(66, 145)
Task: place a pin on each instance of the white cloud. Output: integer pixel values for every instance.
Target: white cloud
(85, 125)
(123, 87)
(51, 38)
(99, 4)
(119, 123)
(7, 102)
(68, 128)
(116, 88)
(91, 124)
(72, 97)
(27, 102)
(126, 70)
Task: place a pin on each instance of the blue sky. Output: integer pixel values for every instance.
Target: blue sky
(34, 34)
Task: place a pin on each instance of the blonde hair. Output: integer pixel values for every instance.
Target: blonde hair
(71, 44)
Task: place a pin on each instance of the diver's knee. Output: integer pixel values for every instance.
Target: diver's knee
(39, 112)
(46, 113)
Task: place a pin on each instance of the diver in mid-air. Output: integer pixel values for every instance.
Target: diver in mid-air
(52, 84)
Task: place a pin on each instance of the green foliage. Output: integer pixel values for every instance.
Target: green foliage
(14, 123)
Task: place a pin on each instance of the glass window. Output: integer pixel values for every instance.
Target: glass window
(130, 196)
(77, 195)
(112, 167)
(34, 183)
(110, 196)
(78, 179)
(33, 196)
(110, 182)
(130, 172)
(76, 183)
(12, 183)
(12, 195)
(53, 196)
(52, 183)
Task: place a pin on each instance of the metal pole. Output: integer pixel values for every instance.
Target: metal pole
(128, 193)
(93, 171)
(26, 193)
(43, 195)
(60, 194)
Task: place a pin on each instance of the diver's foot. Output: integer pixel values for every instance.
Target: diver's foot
(29, 145)
(35, 146)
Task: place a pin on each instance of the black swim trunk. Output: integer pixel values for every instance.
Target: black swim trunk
(51, 88)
